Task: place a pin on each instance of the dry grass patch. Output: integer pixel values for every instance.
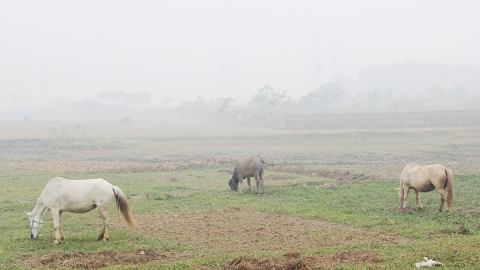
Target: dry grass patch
(295, 261)
(81, 260)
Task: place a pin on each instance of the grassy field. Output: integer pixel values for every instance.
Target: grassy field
(189, 218)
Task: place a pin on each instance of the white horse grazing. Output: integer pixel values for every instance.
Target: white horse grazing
(425, 179)
(77, 196)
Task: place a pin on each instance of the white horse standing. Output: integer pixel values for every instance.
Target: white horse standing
(77, 196)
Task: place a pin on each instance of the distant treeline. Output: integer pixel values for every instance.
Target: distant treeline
(401, 87)
(367, 120)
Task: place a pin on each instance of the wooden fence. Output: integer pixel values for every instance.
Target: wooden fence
(366, 120)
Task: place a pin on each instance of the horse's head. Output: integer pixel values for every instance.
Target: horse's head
(233, 185)
(35, 226)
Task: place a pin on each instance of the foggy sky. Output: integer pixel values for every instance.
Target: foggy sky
(185, 49)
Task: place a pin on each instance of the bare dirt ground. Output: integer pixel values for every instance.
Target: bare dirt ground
(240, 230)
(235, 230)
(289, 261)
(81, 260)
(339, 162)
(203, 233)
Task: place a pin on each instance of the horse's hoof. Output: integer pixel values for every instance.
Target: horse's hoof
(56, 242)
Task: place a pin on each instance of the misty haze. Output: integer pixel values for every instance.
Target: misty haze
(239, 134)
(161, 59)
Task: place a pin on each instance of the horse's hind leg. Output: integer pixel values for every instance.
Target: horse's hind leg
(443, 198)
(62, 237)
(106, 224)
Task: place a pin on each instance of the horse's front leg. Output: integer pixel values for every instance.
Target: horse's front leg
(57, 225)
(403, 194)
(417, 200)
(106, 224)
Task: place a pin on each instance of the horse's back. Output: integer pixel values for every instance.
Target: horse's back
(77, 195)
(63, 184)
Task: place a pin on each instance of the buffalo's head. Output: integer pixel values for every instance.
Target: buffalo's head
(233, 185)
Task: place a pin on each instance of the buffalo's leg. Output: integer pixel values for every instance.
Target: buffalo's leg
(248, 181)
(240, 183)
(259, 182)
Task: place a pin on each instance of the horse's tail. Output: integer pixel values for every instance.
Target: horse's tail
(449, 186)
(124, 208)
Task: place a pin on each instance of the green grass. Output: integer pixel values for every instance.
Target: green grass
(453, 237)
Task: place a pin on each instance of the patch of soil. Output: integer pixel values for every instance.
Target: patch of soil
(118, 166)
(295, 261)
(240, 230)
(340, 175)
(235, 230)
(97, 260)
(279, 177)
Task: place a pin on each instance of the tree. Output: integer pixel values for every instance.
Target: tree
(328, 94)
(167, 100)
(137, 100)
(224, 103)
(266, 96)
(124, 99)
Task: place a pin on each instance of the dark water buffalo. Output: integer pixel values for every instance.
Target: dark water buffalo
(251, 166)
